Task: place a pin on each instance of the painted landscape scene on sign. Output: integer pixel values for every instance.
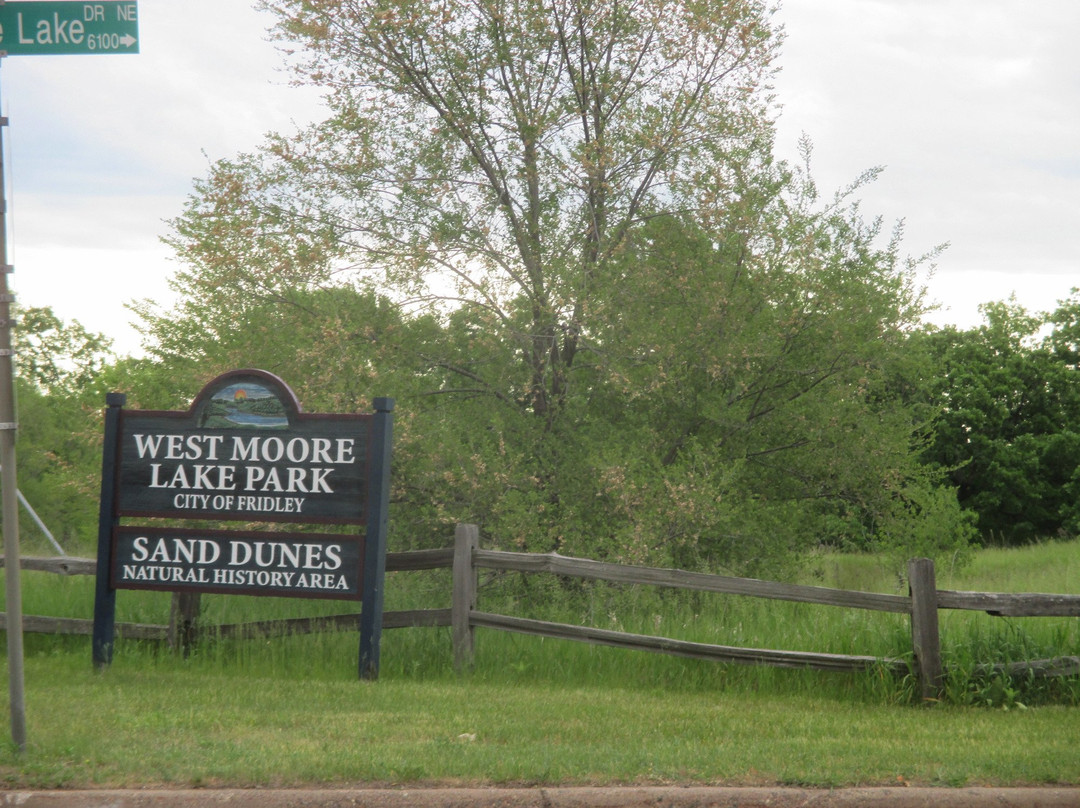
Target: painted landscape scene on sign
(246, 405)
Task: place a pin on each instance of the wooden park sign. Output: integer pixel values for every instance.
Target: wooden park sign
(244, 451)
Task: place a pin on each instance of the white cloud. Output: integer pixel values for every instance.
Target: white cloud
(973, 108)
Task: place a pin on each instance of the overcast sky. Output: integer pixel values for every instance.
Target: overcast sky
(971, 106)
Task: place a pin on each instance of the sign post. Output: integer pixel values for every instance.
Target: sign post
(377, 525)
(104, 594)
(39, 28)
(245, 451)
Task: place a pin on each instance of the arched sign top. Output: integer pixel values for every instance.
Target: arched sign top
(246, 399)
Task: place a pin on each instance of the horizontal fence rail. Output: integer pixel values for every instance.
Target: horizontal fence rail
(680, 579)
(684, 648)
(466, 558)
(557, 564)
(60, 566)
(1027, 604)
(78, 626)
(998, 604)
(922, 605)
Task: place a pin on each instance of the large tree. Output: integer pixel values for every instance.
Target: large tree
(557, 233)
(1009, 430)
(496, 153)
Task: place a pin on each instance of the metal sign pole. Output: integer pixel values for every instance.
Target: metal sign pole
(38, 28)
(8, 483)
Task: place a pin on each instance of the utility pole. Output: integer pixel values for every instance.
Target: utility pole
(61, 27)
(9, 490)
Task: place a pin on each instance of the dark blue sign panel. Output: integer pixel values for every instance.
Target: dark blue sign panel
(251, 563)
(244, 451)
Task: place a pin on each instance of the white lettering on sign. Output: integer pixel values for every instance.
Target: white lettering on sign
(263, 554)
(54, 32)
(190, 464)
(199, 477)
(164, 575)
(238, 562)
(179, 447)
(298, 450)
(193, 551)
(338, 452)
(298, 480)
(274, 579)
(264, 578)
(94, 12)
(284, 556)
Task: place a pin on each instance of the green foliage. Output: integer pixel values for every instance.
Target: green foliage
(1009, 426)
(972, 680)
(555, 233)
(57, 357)
(57, 463)
(58, 451)
(493, 157)
(760, 385)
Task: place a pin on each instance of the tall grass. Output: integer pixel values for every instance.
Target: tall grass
(971, 642)
(975, 645)
(289, 710)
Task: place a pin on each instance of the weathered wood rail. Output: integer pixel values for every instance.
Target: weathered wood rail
(466, 558)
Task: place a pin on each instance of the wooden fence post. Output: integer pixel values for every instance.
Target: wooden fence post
(183, 621)
(463, 601)
(924, 627)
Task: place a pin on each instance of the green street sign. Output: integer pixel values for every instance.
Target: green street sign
(70, 27)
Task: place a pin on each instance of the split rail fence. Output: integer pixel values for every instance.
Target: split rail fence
(466, 558)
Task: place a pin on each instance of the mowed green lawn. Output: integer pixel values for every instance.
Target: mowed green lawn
(133, 726)
(290, 711)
